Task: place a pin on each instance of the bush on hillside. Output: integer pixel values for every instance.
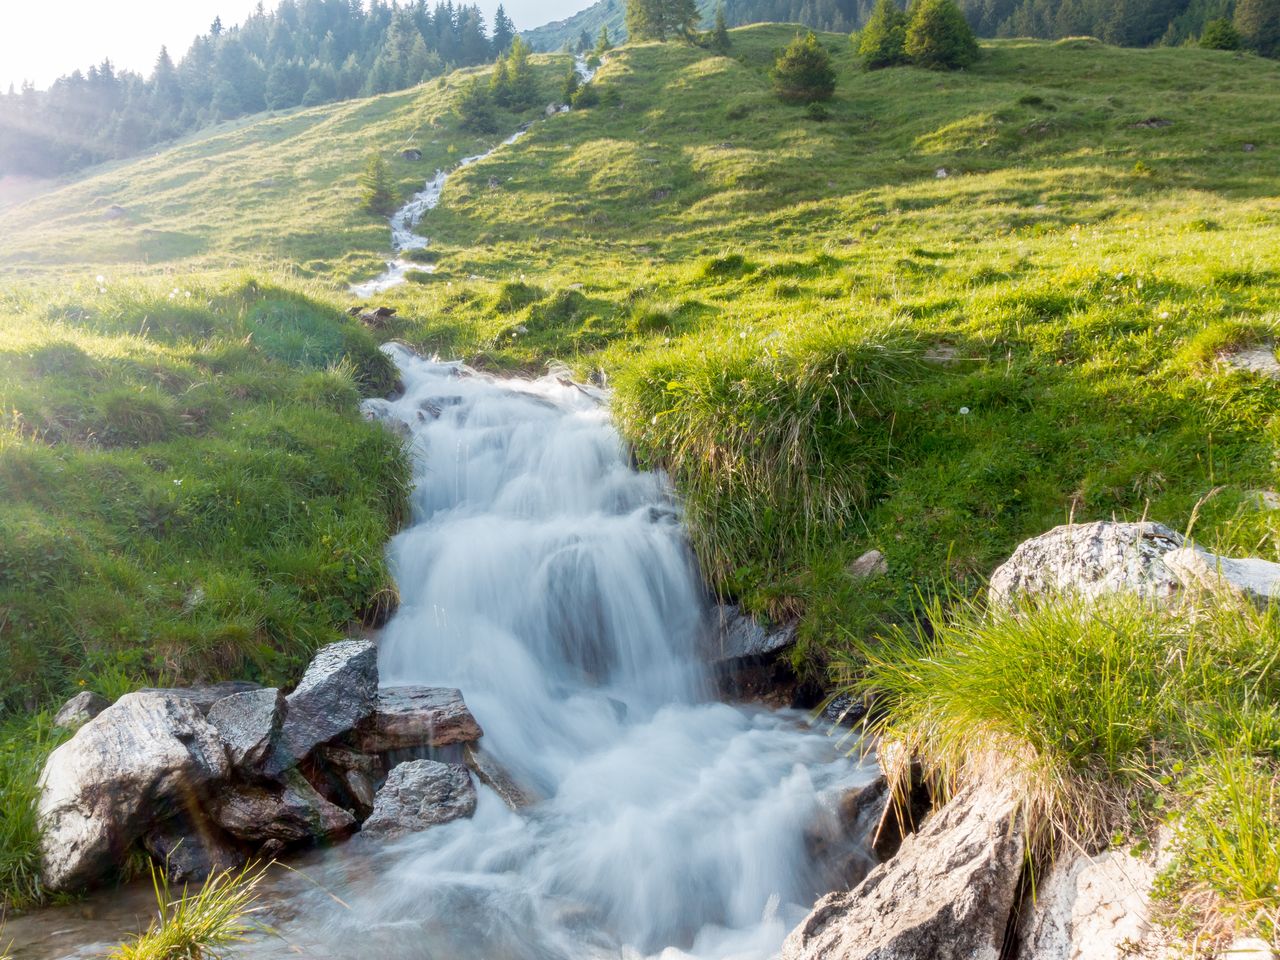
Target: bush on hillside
(939, 37)
(803, 73)
(1220, 34)
(883, 40)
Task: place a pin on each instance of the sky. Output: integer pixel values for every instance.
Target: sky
(41, 40)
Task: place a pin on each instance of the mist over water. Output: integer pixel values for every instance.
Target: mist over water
(553, 584)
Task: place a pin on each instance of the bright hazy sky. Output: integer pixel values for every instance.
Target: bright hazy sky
(43, 39)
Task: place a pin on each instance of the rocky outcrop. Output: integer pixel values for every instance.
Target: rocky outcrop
(409, 717)
(249, 724)
(737, 636)
(337, 692)
(1093, 908)
(420, 794)
(946, 895)
(148, 757)
(80, 709)
(1091, 560)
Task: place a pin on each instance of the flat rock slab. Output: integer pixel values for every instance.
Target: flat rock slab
(146, 758)
(420, 794)
(1260, 360)
(412, 717)
(946, 895)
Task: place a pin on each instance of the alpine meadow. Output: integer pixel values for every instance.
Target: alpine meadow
(937, 360)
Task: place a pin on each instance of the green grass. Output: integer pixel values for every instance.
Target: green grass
(200, 924)
(1106, 719)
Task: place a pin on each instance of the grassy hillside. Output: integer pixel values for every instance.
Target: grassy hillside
(953, 312)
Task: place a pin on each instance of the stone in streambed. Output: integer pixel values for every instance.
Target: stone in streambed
(494, 776)
(292, 814)
(146, 758)
(192, 848)
(337, 692)
(410, 717)
(420, 794)
(249, 724)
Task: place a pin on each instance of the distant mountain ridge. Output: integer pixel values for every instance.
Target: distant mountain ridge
(1132, 23)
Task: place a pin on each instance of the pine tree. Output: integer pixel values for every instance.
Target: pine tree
(524, 85)
(376, 195)
(1259, 24)
(603, 44)
(720, 41)
(475, 108)
(500, 83)
(583, 44)
(884, 38)
(1220, 34)
(939, 37)
(504, 31)
(803, 73)
(571, 84)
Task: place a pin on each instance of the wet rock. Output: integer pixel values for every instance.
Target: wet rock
(291, 814)
(494, 776)
(80, 709)
(739, 636)
(843, 711)
(946, 895)
(1149, 560)
(1091, 560)
(192, 848)
(408, 718)
(338, 691)
(249, 724)
(204, 696)
(142, 760)
(868, 566)
(839, 839)
(420, 794)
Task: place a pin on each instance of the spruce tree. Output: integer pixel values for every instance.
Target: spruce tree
(570, 85)
(939, 37)
(803, 73)
(500, 83)
(524, 86)
(475, 108)
(1220, 34)
(661, 19)
(883, 40)
(603, 44)
(376, 195)
(504, 31)
(584, 42)
(720, 41)
(1259, 24)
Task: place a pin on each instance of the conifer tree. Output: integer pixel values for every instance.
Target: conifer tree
(720, 41)
(603, 44)
(524, 85)
(882, 42)
(571, 84)
(1220, 34)
(376, 195)
(939, 37)
(475, 108)
(500, 83)
(584, 42)
(1259, 24)
(504, 31)
(661, 19)
(803, 73)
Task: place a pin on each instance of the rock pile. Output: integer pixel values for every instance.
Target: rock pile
(209, 777)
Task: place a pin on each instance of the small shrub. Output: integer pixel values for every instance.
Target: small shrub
(803, 73)
(586, 97)
(939, 37)
(817, 112)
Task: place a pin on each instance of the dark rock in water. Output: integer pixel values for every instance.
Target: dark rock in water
(249, 724)
(80, 709)
(292, 814)
(420, 794)
(360, 789)
(946, 895)
(840, 837)
(738, 636)
(843, 711)
(491, 773)
(338, 691)
(408, 718)
(147, 757)
(204, 696)
(411, 154)
(192, 848)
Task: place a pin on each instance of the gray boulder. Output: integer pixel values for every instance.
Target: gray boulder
(80, 709)
(946, 895)
(738, 636)
(409, 717)
(204, 696)
(1092, 560)
(249, 724)
(420, 794)
(141, 761)
(339, 689)
(291, 814)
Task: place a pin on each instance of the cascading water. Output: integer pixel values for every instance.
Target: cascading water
(553, 584)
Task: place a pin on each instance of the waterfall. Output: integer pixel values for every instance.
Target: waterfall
(553, 584)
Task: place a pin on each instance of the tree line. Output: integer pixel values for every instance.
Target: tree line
(304, 53)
